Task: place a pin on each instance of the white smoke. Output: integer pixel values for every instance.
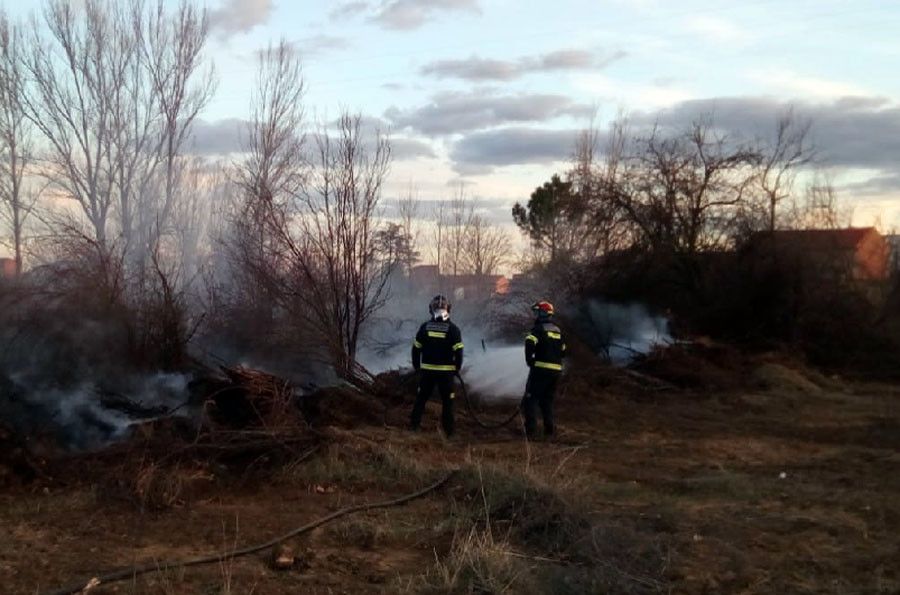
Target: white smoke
(493, 371)
(626, 330)
(84, 419)
(497, 373)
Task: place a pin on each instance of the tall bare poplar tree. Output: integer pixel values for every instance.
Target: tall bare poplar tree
(15, 139)
(327, 237)
(459, 218)
(171, 51)
(309, 225)
(115, 88)
(273, 171)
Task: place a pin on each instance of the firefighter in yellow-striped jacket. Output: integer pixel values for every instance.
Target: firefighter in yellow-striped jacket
(544, 352)
(437, 353)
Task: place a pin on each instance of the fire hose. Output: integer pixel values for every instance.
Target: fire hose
(129, 573)
(471, 409)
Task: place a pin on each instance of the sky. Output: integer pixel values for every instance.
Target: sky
(491, 93)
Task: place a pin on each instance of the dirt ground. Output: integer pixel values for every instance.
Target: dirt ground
(783, 487)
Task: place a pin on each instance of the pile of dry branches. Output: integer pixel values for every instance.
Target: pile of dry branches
(253, 398)
(249, 424)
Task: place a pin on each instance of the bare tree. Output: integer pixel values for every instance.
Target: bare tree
(438, 234)
(680, 193)
(15, 139)
(569, 217)
(75, 78)
(409, 207)
(584, 158)
(487, 246)
(173, 46)
(170, 57)
(271, 175)
(819, 208)
(275, 166)
(325, 239)
(594, 217)
(459, 218)
(113, 96)
(780, 160)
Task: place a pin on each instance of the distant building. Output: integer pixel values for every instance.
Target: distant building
(427, 279)
(7, 268)
(468, 287)
(855, 253)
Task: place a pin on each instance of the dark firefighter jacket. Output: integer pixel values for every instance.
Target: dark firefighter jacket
(544, 347)
(438, 347)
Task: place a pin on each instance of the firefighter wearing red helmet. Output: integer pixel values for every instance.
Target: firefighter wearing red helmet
(544, 352)
(437, 353)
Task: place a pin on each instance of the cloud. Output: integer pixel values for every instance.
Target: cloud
(858, 132)
(219, 137)
(878, 185)
(320, 44)
(408, 149)
(348, 10)
(791, 84)
(484, 69)
(626, 93)
(240, 16)
(412, 14)
(480, 152)
(454, 112)
(459, 182)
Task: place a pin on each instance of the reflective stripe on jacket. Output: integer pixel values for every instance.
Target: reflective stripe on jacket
(438, 347)
(545, 347)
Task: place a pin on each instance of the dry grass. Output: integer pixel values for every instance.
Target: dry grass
(550, 541)
(361, 532)
(681, 492)
(476, 563)
(360, 464)
(772, 376)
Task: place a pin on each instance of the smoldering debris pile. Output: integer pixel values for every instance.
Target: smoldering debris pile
(231, 423)
(243, 397)
(699, 364)
(623, 332)
(233, 413)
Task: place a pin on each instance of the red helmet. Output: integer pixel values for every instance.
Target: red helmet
(542, 308)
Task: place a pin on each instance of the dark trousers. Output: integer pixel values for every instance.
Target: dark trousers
(539, 393)
(427, 383)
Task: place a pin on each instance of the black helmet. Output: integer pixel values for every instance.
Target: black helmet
(439, 305)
